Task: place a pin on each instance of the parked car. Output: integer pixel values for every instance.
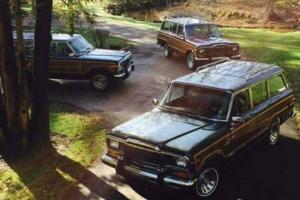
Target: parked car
(72, 57)
(201, 121)
(196, 39)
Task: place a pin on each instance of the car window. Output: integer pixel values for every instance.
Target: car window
(276, 85)
(173, 28)
(180, 30)
(29, 48)
(166, 26)
(242, 103)
(59, 49)
(259, 93)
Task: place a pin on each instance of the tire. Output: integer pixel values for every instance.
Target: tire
(167, 51)
(273, 133)
(100, 81)
(208, 183)
(190, 61)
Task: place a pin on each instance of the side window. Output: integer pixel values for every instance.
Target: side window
(173, 28)
(276, 85)
(165, 26)
(180, 30)
(242, 103)
(59, 49)
(259, 93)
(29, 48)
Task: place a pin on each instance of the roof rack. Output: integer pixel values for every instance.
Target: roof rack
(254, 72)
(212, 64)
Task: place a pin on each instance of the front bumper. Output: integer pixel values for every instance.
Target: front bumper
(216, 58)
(126, 71)
(147, 175)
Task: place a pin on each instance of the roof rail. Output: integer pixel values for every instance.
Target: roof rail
(212, 64)
(254, 72)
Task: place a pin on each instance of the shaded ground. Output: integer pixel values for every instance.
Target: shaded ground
(260, 173)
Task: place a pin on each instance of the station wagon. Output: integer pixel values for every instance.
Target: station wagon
(196, 39)
(201, 121)
(73, 57)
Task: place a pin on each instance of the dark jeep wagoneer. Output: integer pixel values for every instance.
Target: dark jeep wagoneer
(72, 57)
(202, 120)
(195, 38)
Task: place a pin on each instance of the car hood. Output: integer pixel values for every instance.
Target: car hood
(106, 55)
(202, 41)
(166, 130)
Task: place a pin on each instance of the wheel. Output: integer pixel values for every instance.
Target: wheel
(167, 51)
(207, 183)
(190, 61)
(274, 132)
(99, 81)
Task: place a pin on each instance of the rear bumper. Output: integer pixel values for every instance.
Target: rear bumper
(147, 175)
(217, 58)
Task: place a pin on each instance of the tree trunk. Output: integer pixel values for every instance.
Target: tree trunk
(8, 71)
(270, 13)
(22, 72)
(70, 20)
(40, 107)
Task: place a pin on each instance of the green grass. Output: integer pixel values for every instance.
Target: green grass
(79, 140)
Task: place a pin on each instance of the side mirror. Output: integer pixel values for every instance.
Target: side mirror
(155, 102)
(238, 120)
(71, 54)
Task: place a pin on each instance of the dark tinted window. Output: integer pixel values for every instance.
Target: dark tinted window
(59, 49)
(259, 93)
(242, 103)
(180, 30)
(173, 27)
(166, 26)
(276, 85)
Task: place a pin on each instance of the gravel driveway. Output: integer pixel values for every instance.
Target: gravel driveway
(260, 173)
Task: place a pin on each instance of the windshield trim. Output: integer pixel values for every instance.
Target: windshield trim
(163, 108)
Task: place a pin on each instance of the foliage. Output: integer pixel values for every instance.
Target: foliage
(70, 10)
(100, 36)
(286, 4)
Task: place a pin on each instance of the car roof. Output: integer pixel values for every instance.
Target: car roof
(231, 75)
(187, 20)
(55, 36)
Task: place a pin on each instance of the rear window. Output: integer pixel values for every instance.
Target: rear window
(259, 93)
(173, 27)
(276, 85)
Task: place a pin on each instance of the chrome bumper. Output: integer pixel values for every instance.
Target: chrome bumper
(126, 72)
(149, 176)
(217, 58)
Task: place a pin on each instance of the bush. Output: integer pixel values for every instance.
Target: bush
(100, 36)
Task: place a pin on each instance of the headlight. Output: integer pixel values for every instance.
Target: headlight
(200, 50)
(114, 144)
(182, 162)
(235, 48)
(120, 66)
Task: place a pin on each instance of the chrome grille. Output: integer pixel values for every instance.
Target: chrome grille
(219, 51)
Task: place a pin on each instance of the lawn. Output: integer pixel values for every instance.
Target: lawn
(79, 140)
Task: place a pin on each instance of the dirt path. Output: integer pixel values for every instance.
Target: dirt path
(132, 97)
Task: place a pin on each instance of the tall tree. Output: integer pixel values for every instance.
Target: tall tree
(40, 106)
(9, 72)
(270, 13)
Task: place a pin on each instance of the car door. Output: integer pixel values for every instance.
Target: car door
(238, 136)
(179, 40)
(63, 61)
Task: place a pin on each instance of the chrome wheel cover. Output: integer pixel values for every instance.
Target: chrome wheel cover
(100, 82)
(190, 60)
(208, 182)
(274, 133)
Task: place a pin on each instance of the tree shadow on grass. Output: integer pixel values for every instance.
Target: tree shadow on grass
(51, 175)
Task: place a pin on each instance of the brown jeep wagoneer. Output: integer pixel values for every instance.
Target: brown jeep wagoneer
(202, 120)
(195, 38)
(72, 57)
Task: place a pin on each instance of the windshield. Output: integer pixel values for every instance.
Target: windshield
(196, 101)
(202, 30)
(80, 45)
